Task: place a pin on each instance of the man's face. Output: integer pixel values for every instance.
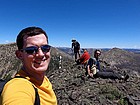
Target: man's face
(39, 61)
(97, 54)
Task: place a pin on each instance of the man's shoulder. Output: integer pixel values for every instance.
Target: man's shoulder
(77, 43)
(17, 87)
(18, 82)
(93, 59)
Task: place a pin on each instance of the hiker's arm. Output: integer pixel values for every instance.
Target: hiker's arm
(72, 45)
(89, 71)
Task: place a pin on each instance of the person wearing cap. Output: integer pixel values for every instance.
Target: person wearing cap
(76, 49)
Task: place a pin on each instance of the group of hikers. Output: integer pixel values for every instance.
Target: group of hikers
(92, 64)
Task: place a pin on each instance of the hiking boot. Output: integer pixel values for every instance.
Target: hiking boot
(126, 77)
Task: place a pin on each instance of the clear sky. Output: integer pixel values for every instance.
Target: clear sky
(94, 23)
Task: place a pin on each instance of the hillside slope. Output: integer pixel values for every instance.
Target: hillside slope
(122, 59)
(72, 87)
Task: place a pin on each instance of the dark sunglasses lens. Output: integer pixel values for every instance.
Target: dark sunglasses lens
(31, 50)
(45, 48)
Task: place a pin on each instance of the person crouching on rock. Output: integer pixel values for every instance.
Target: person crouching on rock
(84, 57)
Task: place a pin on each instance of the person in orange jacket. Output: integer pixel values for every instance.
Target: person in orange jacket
(84, 57)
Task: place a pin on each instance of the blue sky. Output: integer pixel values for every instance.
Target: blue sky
(94, 23)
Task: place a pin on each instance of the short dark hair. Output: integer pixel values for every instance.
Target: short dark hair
(97, 51)
(29, 31)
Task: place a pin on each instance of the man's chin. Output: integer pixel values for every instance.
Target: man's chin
(41, 69)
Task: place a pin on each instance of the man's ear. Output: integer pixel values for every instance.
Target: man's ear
(19, 54)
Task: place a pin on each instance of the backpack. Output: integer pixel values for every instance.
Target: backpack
(37, 98)
(93, 66)
(93, 69)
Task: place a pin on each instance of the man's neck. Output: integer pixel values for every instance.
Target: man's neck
(39, 76)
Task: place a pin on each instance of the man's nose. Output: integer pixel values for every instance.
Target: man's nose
(40, 52)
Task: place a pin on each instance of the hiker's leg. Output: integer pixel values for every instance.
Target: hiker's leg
(78, 62)
(110, 75)
(75, 56)
(78, 53)
(107, 70)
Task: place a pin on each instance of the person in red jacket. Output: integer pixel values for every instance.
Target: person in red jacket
(85, 56)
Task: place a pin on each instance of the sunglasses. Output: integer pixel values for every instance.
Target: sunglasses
(34, 49)
(98, 53)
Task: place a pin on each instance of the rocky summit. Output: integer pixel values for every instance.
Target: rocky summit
(71, 85)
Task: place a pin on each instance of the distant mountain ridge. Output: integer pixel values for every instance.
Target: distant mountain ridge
(68, 49)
